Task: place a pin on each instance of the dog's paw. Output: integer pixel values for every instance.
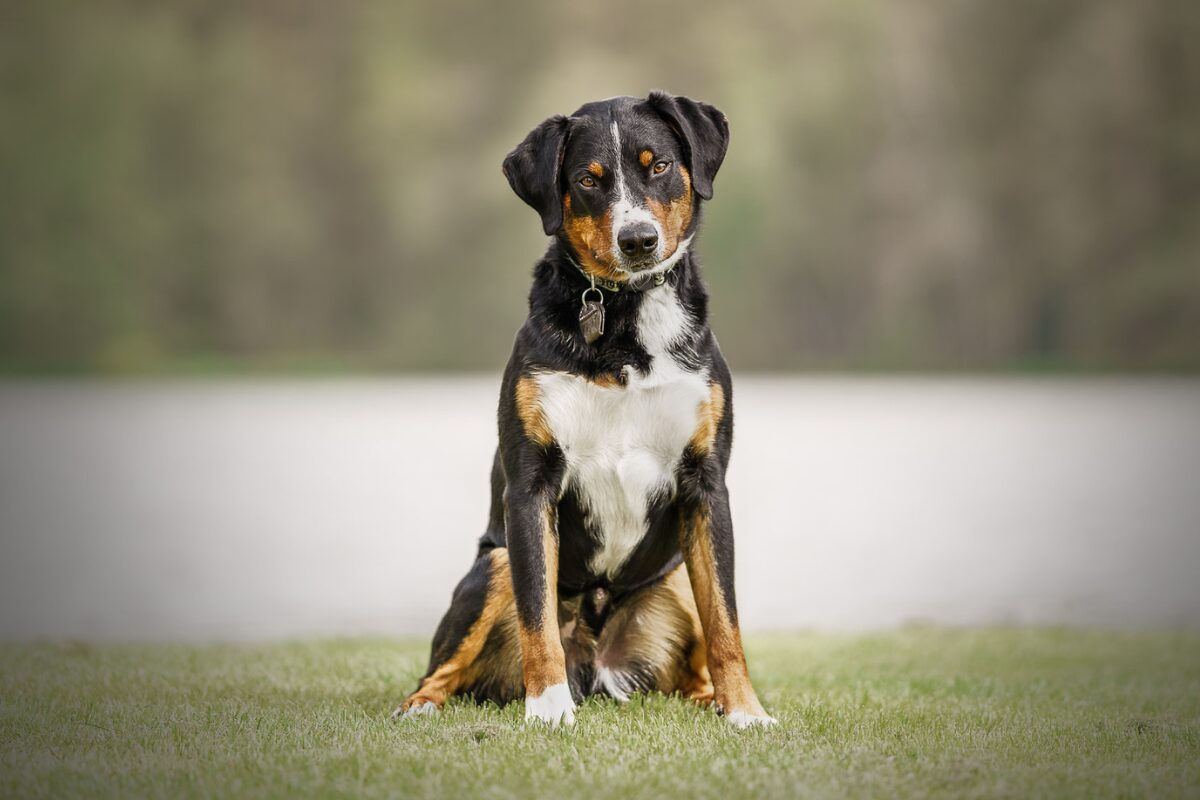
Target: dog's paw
(553, 706)
(417, 708)
(744, 719)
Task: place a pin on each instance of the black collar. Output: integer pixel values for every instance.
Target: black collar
(634, 284)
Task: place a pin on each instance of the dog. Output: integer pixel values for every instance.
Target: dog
(607, 564)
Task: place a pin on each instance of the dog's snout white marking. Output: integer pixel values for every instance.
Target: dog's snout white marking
(625, 211)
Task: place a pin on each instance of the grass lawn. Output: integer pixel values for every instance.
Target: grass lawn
(912, 713)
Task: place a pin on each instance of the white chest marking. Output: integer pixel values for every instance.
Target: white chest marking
(623, 444)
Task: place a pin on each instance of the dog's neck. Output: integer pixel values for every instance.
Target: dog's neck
(559, 281)
(556, 297)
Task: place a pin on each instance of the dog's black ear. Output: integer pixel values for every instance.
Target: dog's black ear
(532, 170)
(704, 132)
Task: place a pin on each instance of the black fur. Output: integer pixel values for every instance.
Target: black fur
(547, 166)
(532, 170)
(704, 132)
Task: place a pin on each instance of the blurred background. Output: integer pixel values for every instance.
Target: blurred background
(292, 185)
(954, 253)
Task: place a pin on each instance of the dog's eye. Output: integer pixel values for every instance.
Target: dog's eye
(587, 182)
(661, 167)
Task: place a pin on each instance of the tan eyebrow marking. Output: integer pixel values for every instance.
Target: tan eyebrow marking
(596, 168)
(645, 157)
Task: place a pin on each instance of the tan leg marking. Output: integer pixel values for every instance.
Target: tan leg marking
(462, 667)
(542, 659)
(695, 682)
(732, 691)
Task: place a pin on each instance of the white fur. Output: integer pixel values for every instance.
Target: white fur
(553, 706)
(663, 321)
(617, 684)
(420, 710)
(625, 211)
(742, 720)
(622, 444)
(666, 263)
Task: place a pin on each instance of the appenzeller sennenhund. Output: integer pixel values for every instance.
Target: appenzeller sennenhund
(607, 565)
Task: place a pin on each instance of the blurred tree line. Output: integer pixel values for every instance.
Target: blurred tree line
(226, 184)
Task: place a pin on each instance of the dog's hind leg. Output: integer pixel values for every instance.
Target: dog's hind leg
(707, 539)
(653, 641)
(475, 647)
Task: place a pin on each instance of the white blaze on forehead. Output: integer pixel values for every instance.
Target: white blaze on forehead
(625, 211)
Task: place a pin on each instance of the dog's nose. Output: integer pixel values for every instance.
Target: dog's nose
(637, 239)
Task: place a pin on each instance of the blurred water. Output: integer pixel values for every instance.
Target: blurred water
(247, 509)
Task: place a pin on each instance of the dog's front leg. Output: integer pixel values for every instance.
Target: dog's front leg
(707, 542)
(533, 555)
(533, 471)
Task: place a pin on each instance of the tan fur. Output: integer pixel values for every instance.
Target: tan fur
(695, 682)
(529, 410)
(596, 168)
(658, 629)
(591, 238)
(462, 667)
(674, 217)
(726, 659)
(498, 668)
(645, 157)
(607, 380)
(543, 660)
(712, 411)
(578, 640)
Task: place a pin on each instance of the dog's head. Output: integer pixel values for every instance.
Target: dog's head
(620, 180)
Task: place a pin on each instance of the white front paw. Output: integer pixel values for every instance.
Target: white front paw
(744, 719)
(424, 709)
(553, 706)
(417, 708)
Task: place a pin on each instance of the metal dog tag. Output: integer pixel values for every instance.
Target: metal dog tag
(591, 320)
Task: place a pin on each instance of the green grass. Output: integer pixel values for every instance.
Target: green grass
(914, 713)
